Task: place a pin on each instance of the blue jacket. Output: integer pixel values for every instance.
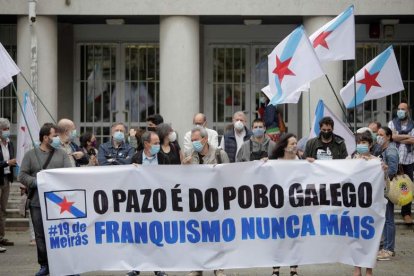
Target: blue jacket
(108, 155)
(230, 143)
(391, 159)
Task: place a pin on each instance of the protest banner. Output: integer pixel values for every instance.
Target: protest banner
(204, 217)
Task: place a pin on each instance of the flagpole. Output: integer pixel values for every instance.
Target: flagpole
(40, 100)
(309, 109)
(337, 99)
(25, 120)
(355, 99)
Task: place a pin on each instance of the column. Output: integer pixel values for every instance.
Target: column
(179, 71)
(45, 31)
(320, 88)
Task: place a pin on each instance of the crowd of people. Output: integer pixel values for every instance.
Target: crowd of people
(158, 145)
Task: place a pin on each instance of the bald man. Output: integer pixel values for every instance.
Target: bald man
(67, 134)
(200, 120)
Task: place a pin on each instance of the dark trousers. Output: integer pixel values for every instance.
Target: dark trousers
(36, 215)
(408, 170)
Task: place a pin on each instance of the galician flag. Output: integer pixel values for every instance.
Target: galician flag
(340, 128)
(336, 39)
(379, 78)
(8, 68)
(24, 142)
(291, 64)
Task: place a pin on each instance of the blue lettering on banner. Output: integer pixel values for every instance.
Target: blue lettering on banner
(65, 235)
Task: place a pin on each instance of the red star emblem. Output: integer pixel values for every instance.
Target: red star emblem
(369, 80)
(321, 40)
(65, 205)
(282, 69)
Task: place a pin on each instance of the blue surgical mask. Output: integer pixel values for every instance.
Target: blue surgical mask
(73, 135)
(362, 148)
(55, 143)
(401, 114)
(197, 146)
(154, 149)
(5, 134)
(258, 132)
(119, 137)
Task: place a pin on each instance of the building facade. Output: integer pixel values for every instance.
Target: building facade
(102, 61)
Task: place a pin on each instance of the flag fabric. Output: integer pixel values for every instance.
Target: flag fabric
(291, 64)
(8, 68)
(340, 128)
(67, 204)
(24, 142)
(379, 78)
(336, 39)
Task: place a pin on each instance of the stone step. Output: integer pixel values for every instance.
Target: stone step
(13, 213)
(17, 224)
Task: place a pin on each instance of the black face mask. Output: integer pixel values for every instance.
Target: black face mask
(326, 135)
(151, 128)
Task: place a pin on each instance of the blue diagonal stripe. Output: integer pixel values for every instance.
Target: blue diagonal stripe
(320, 110)
(341, 19)
(292, 43)
(379, 63)
(56, 199)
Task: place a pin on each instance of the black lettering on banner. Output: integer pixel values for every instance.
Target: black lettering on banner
(100, 202)
(195, 197)
(160, 200)
(311, 196)
(260, 196)
(365, 195)
(118, 197)
(211, 200)
(335, 194)
(348, 194)
(296, 195)
(276, 196)
(229, 194)
(176, 199)
(322, 195)
(245, 197)
(132, 201)
(146, 201)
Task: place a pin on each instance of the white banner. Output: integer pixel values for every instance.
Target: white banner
(204, 217)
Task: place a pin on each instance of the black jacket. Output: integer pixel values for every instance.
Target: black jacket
(3, 163)
(337, 147)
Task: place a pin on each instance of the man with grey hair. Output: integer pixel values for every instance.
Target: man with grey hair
(7, 162)
(67, 134)
(205, 153)
(116, 151)
(234, 138)
(200, 120)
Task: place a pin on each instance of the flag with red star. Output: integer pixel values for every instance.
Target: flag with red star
(66, 204)
(336, 39)
(379, 78)
(291, 64)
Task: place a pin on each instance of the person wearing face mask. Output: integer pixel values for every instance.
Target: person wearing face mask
(259, 145)
(375, 149)
(234, 138)
(116, 151)
(88, 147)
(169, 153)
(390, 157)
(327, 145)
(205, 153)
(200, 120)
(403, 135)
(7, 163)
(47, 156)
(67, 133)
(153, 121)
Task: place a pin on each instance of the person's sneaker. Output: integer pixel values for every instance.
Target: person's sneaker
(161, 273)
(2, 249)
(44, 271)
(195, 273)
(6, 242)
(132, 273)
(384, 255)
(32, 243)
(219, 272)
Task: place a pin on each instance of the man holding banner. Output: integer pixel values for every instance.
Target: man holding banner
(47, 156)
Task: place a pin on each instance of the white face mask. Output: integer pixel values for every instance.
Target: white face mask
(238, 125)
(172, 136)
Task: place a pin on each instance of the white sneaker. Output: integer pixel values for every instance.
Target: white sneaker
(384, 255)
(195, 273)
(219, 272)
(2, 249)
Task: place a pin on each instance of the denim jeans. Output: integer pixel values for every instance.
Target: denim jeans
(389, 227)
(36, 215)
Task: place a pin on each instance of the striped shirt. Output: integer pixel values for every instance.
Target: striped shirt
(406, 157)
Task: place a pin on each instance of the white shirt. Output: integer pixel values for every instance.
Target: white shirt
(239, 140)
(212, 140)
(6, 155)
